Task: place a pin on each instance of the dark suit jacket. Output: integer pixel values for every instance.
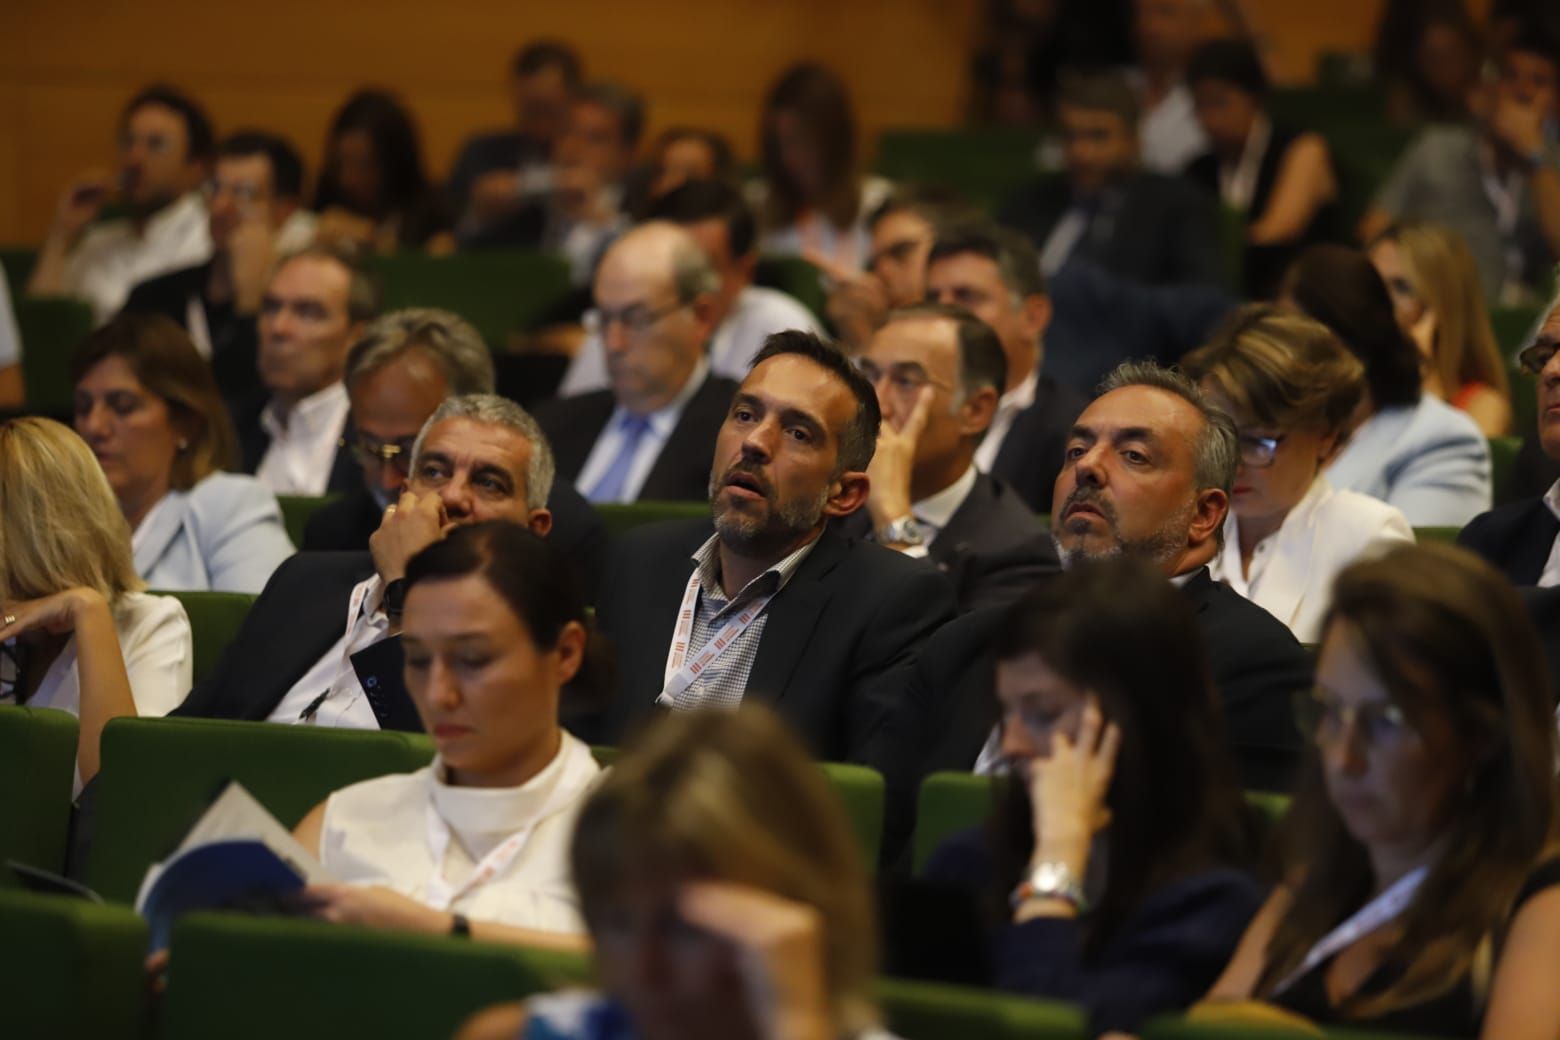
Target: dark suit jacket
(1516, 539)
(345, 474)
(837, 647)
(1031, 453)
(345, 526)
(1147, 227)
(297, 619)
(235, 339)
(681, 473)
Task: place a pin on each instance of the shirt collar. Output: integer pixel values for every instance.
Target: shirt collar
(1552, 499)
(1022, 395)
(317, 413)
(664, 419)
(172, 217)
(777, 577)
(938, 509)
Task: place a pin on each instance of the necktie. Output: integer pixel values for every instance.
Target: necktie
(610, 487)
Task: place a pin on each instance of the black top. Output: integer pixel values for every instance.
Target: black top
(1516, 539)
(1031, 454)
(1454, 1013)
(235, 338)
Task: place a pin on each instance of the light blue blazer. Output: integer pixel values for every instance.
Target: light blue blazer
(1430, 460)
(225, 533)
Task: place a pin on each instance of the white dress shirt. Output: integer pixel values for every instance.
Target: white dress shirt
(1169, 135)
(377, 833)
(662, 423)
(933, 512)
(345, 705)
(1551, 574)
(1011, 403)
(302, 452)
(112, 258)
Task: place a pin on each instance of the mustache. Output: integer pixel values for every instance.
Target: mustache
(753, 473)
(1091, 497)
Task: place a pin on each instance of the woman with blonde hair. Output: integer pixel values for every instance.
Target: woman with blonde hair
(76, 631)
(1439, 303)
(1292, 389)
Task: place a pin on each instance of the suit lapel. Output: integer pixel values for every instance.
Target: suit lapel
(1533, 546)
(792, 616)
(689, 446)
(159, 531)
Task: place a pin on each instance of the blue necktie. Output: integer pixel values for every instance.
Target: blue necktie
(610, 487)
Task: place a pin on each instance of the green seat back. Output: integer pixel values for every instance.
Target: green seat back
(37, 768)
(1524, 402)
(621, 517)
(296, 511)
(862, 792)
(267, 977)
(1364, 151)
(1271, 805)
(215, 618)
(500, 292)
(51, 327)
(948, 803)
(158, 776)
(1503, 465)
(1436, 534)
(1178, 1028)
(1512, 326)
(18, 263)
(930, 1011)
(72, 968)
(984, 166)
(797, 278)
(1232, 246)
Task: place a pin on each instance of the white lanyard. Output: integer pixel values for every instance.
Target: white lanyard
(1367, 919)
(681, 672)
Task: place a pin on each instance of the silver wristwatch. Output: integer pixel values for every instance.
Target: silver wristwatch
(1050, 880)
(904, 531)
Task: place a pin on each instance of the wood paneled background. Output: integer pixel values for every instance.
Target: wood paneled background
(66, 66)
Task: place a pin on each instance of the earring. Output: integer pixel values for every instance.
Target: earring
(184, 445)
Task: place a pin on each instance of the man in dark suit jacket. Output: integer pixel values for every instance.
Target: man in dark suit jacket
(938, 371)
(1103, 208)
(649, 436)
(771, 601)
(319, 645)
(993, 273)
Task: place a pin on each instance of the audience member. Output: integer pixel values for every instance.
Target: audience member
(646, 437)
(1104, 208)
(1281, 180)
(1421, 895)
(253, 201)
(1408, 448)
(1291, 388)
(1121, 837)
(775, 603)
(165, 146)
(686, 153)
(994, 274)
(11, 387)
(1439, 302)
(1427, 56)
(499, 172)
(715, 850)
(292, 429)
(320, 646)
(372, 191)
(1522, 539)
(743, 314)
(1495, 182)
(397, 375)
(938, 372)
(76, 631)
(1166, 33)
(814, 200)
(147, 406)
(1013, 74)
(484, 830)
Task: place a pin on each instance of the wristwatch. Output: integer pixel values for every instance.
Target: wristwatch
(1050, 880)
(394, 601)
(904, 531)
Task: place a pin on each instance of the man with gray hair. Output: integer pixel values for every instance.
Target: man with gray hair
(320, 646)
(649, 435)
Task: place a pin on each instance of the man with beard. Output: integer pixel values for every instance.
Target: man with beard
(772, 601)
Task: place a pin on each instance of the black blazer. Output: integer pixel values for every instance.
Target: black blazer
(297, 619)
(345, 473)
(1031, 454)
(1150, 228)
(235, 338)
(578, 531)
(681, 473)
(837, 647)
(1516, 539)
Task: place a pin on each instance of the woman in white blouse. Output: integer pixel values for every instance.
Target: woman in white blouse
(1291, 387)
(476, 843)
(76, 632)
(148, 405)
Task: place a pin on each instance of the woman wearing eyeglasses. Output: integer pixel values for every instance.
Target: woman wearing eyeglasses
(147, 405)
(1291, 388)
(1424, 895)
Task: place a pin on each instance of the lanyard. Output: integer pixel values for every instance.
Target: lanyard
(681, 672)
(1367, 919)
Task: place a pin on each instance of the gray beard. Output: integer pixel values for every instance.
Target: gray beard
(1161, 547)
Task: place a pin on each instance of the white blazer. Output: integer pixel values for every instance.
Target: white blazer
(1293, 569)
(225, 534)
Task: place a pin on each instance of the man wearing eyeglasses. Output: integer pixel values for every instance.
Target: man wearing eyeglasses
(165, 149)
(649, 435)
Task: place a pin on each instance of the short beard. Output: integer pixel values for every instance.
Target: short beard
(1161, 547)
(760, 536)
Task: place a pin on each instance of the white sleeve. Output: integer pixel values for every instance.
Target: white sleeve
(159, 653)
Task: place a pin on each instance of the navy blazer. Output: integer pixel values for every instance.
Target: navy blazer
(1516, 539)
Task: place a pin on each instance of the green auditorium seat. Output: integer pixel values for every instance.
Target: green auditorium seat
(72, 968)
(51, 327)
(499, 291)
(215, 618)
(158, 776)
(861, 790)
(37, 768)
(267, 977)
(949, 802)
(984, 166)
(18, 263)
(1512, 325)
(1179, 1028)
(796, 277)
(1503, 465)
(1524, 402)
(621, 517)
(1436, 534)
(296, 511)
(930, 1011)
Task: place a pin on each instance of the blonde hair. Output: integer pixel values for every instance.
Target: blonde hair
(1446, 278)
(732, 796)
(60, 525)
